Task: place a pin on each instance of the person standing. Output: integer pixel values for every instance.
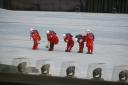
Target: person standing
(34, 34)
(90, 41)
(68, 38)
(34, 30)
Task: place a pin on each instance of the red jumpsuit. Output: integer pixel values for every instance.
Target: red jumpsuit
(89, 42)
(35, 37)
(53, 39)
(32, 31)
(70, 43)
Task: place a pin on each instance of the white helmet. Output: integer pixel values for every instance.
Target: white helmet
(88, 31)
(31, 29)
(64, 35)
(47, 31)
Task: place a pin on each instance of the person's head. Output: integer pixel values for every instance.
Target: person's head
(88, 31)
(123, 75)
(97, 73)
(64, 35)
(47, 31)
(31, 29)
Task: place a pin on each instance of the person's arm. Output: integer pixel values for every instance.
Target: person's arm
(48, 44)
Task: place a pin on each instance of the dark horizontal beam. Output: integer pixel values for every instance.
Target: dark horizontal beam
(102, 6)
(25, 79)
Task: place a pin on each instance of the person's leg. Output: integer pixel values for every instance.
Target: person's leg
(81, 47)
(51, 46)
(88, 48)
(70, 47)
(67, 47)
(91, 50)
(35, 45)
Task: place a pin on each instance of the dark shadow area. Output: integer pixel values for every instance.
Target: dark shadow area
(97, 6)
(25, 79)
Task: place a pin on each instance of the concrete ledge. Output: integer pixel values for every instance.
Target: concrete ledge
(8, 68)
(20, 79)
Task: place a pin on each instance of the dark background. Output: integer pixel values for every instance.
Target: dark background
(25, 79)
(100, 6)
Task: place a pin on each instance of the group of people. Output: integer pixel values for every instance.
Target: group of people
(53, 39)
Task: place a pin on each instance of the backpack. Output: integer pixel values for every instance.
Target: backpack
(79, 36)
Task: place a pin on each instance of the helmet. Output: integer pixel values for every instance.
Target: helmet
(88, 30)
(97, 72)
(64, 35)
(47, 31)
(31, 29)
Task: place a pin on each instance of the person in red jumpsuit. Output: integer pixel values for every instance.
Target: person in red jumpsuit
(52, 39)
(34, 30)
(89, 41)
(34, 34)
(81, 40)
(48, 33)
(68, 38)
